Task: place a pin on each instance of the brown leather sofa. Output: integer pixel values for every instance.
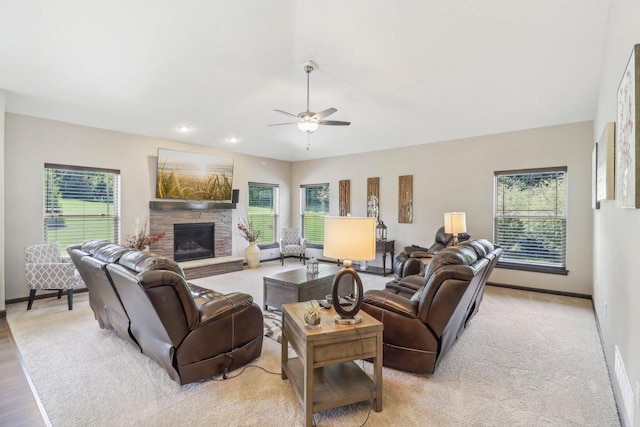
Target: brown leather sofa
(423, 315)
(412, 259)
(103, 299)
(192, 332)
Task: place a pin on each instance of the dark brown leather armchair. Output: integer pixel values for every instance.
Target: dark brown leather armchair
(423, 315)
(412, 259)
(192, 332)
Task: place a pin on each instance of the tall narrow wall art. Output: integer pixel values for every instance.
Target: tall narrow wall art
(627, 144)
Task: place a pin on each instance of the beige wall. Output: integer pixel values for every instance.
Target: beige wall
(458, 176)
(2, 213)
(31, 142)
(616, 231)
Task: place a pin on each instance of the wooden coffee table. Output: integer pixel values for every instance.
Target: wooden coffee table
(324, 375)
(297, 285)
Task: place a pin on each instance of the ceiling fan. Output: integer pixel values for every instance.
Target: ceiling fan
(308, 121)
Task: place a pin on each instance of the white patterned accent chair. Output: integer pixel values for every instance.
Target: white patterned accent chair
(46, 269)
(292, 243)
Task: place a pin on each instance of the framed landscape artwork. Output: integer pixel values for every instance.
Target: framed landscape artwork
(605, 164)
(193, 176)
(627, 144)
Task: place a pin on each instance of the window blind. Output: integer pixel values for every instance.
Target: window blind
(80, 204)
(530, 218)
(314, 205)
(263, 210)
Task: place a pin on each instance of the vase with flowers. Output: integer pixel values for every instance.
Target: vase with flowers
(141, 239)
(251, 235)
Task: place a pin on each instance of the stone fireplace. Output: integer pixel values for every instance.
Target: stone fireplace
(193, 241)
(163, 216)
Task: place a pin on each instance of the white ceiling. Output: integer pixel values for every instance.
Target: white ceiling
(404, 72)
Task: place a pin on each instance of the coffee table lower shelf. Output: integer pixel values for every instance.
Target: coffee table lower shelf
(333, 385)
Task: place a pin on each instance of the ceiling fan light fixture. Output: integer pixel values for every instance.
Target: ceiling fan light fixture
(308, 126)
(309, 121)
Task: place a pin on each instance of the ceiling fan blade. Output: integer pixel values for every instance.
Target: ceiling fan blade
(333, 123)
(279, 124)
(325, 113)
(285, 113)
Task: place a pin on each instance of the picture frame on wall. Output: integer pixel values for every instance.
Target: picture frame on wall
(405, 199)
(344, 197)
(373, 197)
(605, 176)
(627, 145)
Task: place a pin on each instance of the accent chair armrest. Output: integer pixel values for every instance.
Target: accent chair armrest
(51, 268)
(392, 302)
(303, 242)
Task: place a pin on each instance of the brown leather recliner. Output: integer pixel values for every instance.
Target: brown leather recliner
(192, 332)
(91, 260)
(411, 260)
(423, 316)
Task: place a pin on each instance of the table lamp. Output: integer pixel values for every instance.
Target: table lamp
(349, 238)
(454, 223)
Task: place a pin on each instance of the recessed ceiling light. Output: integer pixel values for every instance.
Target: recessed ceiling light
(184, 129)
(232, 139)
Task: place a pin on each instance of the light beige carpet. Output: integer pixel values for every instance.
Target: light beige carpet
(526, 359)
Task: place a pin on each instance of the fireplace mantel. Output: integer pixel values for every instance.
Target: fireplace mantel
(181, 205)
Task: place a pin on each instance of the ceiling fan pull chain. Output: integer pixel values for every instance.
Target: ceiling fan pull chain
(308, 140)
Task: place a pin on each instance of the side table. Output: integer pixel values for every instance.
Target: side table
(324, 375)
(385, 246)
(382, 247)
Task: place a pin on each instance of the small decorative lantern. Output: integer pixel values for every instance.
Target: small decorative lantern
(381, 231)
(312, 266)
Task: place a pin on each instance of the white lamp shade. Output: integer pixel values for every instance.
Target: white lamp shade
(455, 222)
(350, 238)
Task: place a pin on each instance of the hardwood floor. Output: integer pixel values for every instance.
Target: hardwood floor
(18, 405)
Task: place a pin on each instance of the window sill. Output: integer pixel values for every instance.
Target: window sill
(315, 246)
(533, 268)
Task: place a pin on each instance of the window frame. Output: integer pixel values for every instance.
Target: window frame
(303, 190)
(531, 266)
(275, 188)
(52, 217)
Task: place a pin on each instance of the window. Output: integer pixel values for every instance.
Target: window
(531, 219)
(263, 211)
(314, 205)
(80, 204)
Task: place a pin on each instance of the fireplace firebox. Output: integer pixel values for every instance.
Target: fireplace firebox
(193, 241)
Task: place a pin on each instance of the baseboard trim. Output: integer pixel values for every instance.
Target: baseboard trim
(614, 385)
(54, 293)
(542, 291)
